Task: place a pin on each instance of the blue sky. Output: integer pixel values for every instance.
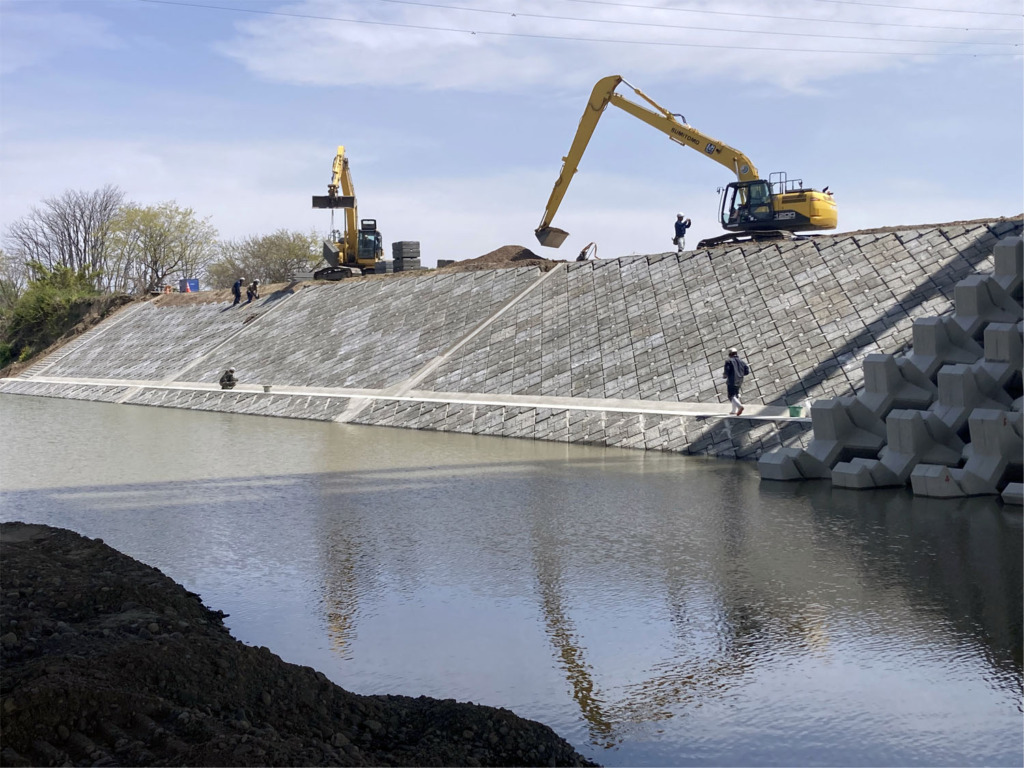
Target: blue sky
(911, 111)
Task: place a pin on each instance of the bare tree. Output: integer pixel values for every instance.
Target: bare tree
(71, 230)
(12, 281)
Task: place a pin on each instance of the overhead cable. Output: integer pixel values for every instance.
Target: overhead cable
(567, 38)
(661, 25)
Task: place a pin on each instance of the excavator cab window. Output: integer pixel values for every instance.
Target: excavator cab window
(745, 203)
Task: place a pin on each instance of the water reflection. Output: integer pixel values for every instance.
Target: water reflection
(655, 610)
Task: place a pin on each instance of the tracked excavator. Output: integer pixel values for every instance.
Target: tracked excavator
(750, 207)
(358, 249)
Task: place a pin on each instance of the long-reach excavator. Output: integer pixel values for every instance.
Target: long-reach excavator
(357, 249)
(751, 206)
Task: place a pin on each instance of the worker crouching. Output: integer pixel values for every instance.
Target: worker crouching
(228, 380)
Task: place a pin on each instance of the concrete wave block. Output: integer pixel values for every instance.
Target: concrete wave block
(844, 429)
(980, 300)
(964, 388)
(1013, 493)
(861, 473)
(1008, 270)
(935, 482)
(939, 341)
(1004, 353)
(914, 437)
(996, 446)
(780, 464)
(891, 383)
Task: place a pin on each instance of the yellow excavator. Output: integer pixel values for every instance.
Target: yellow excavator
(750, 208)
(358, 249)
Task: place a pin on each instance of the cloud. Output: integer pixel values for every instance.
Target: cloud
(31, 34)
(406, 44)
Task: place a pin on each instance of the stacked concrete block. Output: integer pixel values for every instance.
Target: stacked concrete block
(940, 341)
(980, 300)
(1007, 257)
(913, 437)
(844, 428)
(406, 255)
(993, 456)
(384, 267)
(891, 382)
(964, 388)
(950, 402)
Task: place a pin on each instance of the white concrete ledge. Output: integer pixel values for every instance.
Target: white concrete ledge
(654, 407)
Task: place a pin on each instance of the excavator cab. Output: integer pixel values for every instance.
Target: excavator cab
(748, 205)
(370, 247)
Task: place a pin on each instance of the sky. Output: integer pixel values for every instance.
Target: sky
(455, 115)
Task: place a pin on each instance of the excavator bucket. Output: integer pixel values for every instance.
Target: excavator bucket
(552, 237)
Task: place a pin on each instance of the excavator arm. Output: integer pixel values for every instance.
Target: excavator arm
(655, 116)
(341, 180)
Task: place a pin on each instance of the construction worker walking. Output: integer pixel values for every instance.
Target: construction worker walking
(735, 369)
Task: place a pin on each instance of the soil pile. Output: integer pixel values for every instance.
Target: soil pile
(107, 661)
(503, 258)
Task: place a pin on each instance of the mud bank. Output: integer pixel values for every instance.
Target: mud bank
(107, 661)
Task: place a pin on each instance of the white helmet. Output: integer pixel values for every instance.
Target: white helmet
(679, 215)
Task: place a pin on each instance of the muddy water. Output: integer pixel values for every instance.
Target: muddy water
(653, 609)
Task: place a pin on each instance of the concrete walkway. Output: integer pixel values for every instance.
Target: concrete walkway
(753, 412)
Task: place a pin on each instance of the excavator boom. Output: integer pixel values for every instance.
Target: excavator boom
(682, 133)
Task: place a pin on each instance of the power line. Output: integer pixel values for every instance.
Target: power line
(569, 38)
(781, 18)
(915, 8)
(518, 14)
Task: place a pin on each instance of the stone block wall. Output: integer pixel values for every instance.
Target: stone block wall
(628, 352)
(804, 314)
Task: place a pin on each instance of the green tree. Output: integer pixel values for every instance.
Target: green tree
(271, 258)
(55, 300)
(153, 244)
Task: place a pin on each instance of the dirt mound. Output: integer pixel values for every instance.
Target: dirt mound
(503, 258)
(107, 661)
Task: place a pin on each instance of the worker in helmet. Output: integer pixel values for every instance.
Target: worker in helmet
(682, 224)
(228, 380)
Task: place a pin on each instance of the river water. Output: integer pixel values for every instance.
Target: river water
(653, 609)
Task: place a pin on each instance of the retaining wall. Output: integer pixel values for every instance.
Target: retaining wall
(625, 352)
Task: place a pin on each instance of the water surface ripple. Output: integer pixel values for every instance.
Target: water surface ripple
(653, 609)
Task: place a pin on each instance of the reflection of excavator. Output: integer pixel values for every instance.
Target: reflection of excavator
(359, 248)
(749, 205)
